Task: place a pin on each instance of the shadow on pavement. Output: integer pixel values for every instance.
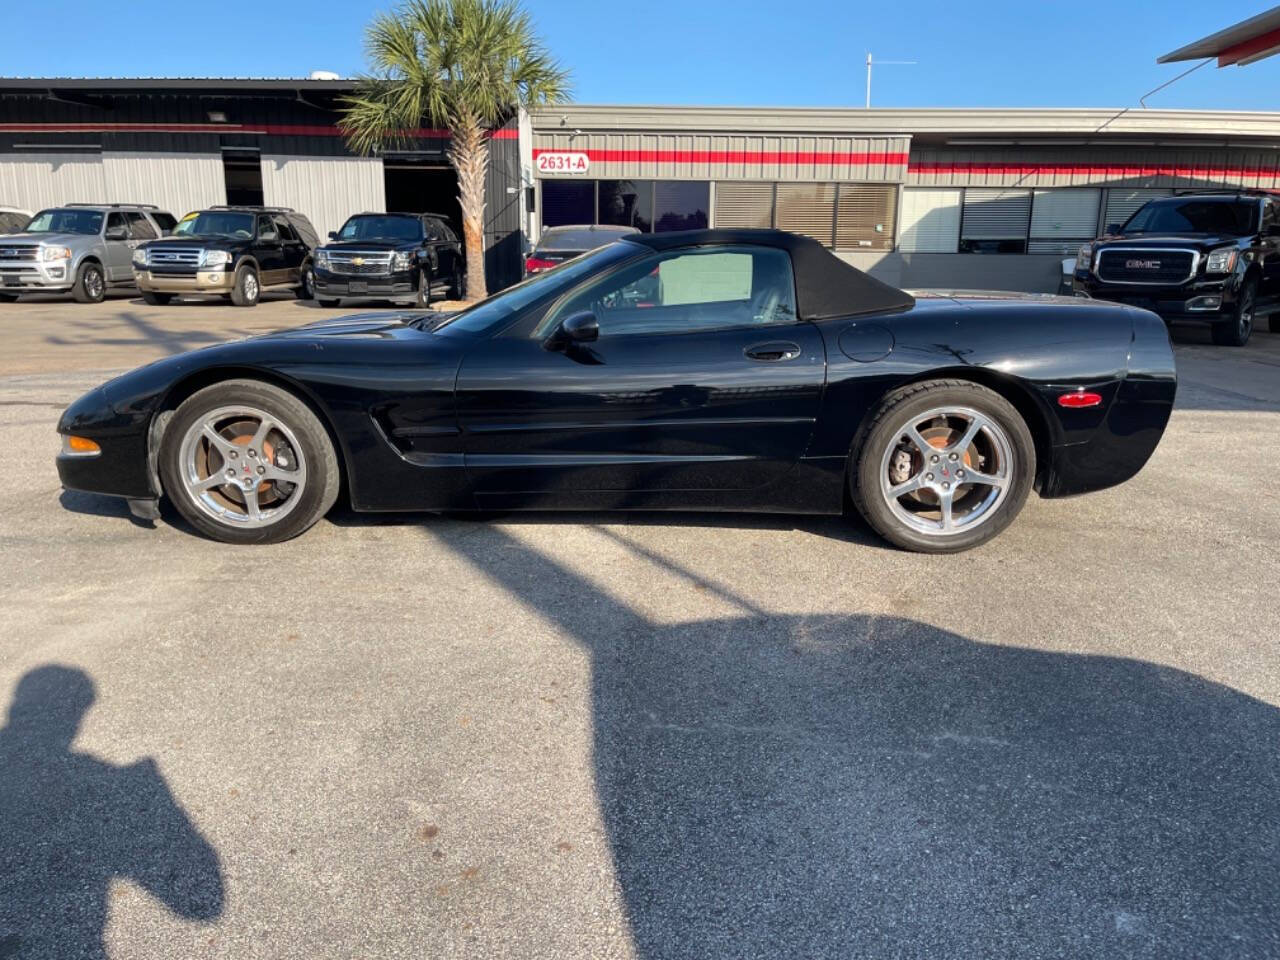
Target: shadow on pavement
(843, 786)
(71, 823)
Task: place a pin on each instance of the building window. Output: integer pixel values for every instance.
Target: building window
(681, 204)
(568, 202)
(995, 220)
(626, 203)
(930, 221)
(744, 204)
(808, 209)
(865, 214)
(1063, 219)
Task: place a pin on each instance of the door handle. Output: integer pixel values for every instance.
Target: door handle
(772, 352)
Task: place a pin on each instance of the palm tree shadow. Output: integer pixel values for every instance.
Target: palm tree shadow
(826, 786)
(70, 823)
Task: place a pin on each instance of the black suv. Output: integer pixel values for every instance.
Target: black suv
(235, 252)
(1212, 258)
(405, 257)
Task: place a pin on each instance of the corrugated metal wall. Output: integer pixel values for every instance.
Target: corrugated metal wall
(715, 156)
(177, 182)
(36, 180)
(326, 189)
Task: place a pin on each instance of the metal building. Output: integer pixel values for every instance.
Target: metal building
(921, 198)
(189, 143)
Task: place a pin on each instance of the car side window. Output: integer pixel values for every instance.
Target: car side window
(266, 229)
(165, 221)
(1268, 216)
(283, 229)
(688, 290)
(447, 232)
(115, 221)
(434, 230)
(140, 227)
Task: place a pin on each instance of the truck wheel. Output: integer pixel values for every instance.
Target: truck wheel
(458, 291)
(424, 289)
(307, 284)
(326, 302)
(1235, 331)
(156, 299)
(8, 297)
(942, 466)
(91, 285)
(246, 291)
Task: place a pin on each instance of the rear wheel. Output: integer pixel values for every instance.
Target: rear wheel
(943, 466)
(246, 462)
(1235, 331)
(156, 299)
(90, 285)
(246, 291)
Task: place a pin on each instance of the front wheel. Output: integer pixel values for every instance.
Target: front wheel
(1235, 331)
(156, 299)
(91, 285)
(943, 466)
(424, 289)
(246, 462)
(306, 283)
(246, 291)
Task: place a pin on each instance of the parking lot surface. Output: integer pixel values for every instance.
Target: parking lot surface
(604, 735)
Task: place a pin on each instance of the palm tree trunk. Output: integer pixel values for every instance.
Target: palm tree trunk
(469, 154)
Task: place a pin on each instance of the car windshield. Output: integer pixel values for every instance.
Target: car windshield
(1189, 215)
(216, 223)
(488, 313)
(87, 222)
(381, 228)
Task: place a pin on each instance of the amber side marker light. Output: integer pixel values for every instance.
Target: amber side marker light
(80, 446)
(1080, 399)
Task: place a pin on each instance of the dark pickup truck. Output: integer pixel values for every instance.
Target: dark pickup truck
(1207, 258)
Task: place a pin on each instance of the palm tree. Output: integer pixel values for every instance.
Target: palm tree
(464, 65)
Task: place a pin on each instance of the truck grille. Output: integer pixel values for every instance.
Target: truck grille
(16, 252)
(1135, 265)
(174, 260)
(357, 264)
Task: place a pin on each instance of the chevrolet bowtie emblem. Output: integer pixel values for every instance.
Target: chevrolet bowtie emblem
(358, 261)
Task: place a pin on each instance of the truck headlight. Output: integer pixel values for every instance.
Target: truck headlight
(322, 259)
(215, 258)
(1221, 261)
(1084, 258)
(139, 257)
(55, 253)
(401, 261)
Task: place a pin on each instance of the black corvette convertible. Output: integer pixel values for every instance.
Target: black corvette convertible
(711, 370)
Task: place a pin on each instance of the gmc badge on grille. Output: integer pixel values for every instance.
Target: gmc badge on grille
(1142, 264)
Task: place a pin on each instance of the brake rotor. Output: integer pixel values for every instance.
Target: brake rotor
(266, 489)
(939, 437)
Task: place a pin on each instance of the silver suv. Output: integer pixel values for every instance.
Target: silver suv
(84, 248)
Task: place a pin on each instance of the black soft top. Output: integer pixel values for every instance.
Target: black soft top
(826, 286)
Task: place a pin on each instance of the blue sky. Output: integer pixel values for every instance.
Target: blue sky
(796, 52)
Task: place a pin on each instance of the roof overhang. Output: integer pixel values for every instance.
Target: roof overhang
(1247, 42)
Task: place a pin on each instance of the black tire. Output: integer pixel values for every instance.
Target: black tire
(423, 300)
(319, 492)
(1235, 331)
(156, 299)
(91, 283)
(326, 302)
(884, 432)
(458, 289)
(307, 284)
(8, 297)
(247, 289)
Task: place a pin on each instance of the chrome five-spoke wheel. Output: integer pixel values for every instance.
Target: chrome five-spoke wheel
(948, 472)
(942, 465)
(240, 465)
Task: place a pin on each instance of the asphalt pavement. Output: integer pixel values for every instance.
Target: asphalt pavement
(651, 736)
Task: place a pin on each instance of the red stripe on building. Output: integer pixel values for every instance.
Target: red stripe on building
(1107, 171)
(269, 129)
(777, 157)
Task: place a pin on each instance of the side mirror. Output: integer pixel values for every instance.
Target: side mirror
(333, 234)
(116, 233)
(1113, 228)
(581, 327)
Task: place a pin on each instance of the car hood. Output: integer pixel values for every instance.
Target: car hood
(53, 239)
(1148, 240)
(369, 245)
(381, 324)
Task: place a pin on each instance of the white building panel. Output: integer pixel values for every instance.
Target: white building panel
(326, 190)
(33, 181)
(176, 182)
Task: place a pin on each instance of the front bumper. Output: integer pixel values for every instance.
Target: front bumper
(203, 282)
(401, 284)
(1198, 301)
(36, 276)
(120, 468)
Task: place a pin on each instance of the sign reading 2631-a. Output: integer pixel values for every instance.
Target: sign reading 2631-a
(558, 162)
